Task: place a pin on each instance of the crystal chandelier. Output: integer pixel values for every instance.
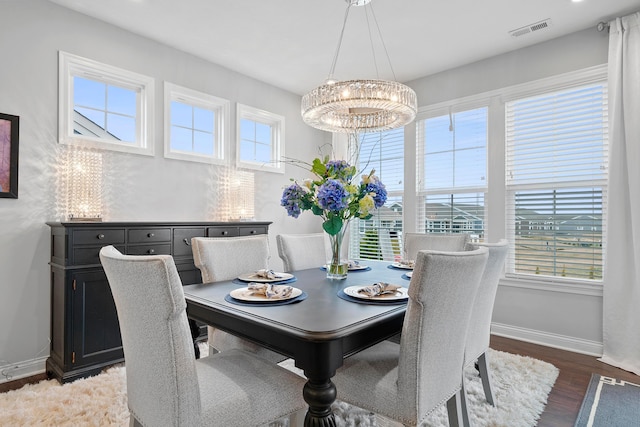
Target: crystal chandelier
(354, 106)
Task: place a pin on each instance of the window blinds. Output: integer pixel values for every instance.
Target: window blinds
(556, 176)
(451, 173)
(378, 237)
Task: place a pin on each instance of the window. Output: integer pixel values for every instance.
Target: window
(556, 177)
(260, 136)
(104, 107)
(379, 237)
(451, 172)
(195, 125)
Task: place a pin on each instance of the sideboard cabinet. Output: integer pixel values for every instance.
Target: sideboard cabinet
(85, 333)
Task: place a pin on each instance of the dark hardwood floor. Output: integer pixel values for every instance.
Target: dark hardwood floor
(567, 393)
(566, 396)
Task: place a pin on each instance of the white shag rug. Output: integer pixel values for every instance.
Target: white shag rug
(521, 386)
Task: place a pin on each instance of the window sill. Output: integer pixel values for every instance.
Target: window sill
(552, 285)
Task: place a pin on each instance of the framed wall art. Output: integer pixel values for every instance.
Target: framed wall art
(9, 133)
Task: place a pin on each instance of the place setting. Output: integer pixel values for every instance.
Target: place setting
(353, 265)
(403, 264)
(265, 287)
(379, 293)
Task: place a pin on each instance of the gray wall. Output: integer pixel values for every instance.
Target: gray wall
(138, 187)
(561, 316)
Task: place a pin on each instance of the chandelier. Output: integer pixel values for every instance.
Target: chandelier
(369, 105)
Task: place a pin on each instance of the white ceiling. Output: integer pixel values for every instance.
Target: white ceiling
(291, 43)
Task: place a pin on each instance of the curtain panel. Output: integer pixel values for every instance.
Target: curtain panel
(621, 293)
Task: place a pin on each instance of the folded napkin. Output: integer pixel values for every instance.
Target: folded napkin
(379, 288)
(407, 263)
(269, 290)
(267, 274)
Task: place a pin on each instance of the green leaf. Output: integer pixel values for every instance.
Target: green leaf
(318, 167)
(316, 210)
(333, 225)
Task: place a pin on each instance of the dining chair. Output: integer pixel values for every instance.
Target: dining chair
(166, 385)
(225, 258)
(479, 331)
(407, 381)
(447, 242)
(302, 251)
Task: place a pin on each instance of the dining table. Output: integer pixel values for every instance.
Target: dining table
(317, 329)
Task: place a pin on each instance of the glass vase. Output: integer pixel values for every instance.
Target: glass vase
(337, 267)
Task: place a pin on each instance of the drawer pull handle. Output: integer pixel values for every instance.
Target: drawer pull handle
(151, 235)
(224, 233)
(252, 232)
(151, 251)
(186, 241)
(100, 236)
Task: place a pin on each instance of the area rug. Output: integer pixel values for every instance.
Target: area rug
(610, 402)
(521, 386)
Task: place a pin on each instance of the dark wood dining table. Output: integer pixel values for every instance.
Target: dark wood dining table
(317, 332)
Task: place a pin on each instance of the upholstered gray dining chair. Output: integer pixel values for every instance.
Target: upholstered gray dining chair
(479, 331)
(448, 242)
(406, 382)
(302, 251)
(225, 258)
(166, 385)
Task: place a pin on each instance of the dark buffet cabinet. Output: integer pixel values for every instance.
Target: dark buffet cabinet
(85, 334)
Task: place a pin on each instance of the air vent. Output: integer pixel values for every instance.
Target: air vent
(537, 26)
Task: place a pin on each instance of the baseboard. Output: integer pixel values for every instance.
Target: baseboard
(563, 342)
(28, 368)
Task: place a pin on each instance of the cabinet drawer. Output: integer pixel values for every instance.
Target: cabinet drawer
(250, 231)
(222, 232)
(182, 240)
(94, 236)
(82, 256)
(149, 249)
(146, 235)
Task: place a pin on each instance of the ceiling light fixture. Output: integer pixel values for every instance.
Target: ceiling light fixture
(368, 105)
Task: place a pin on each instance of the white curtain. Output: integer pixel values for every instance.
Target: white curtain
(621, 315)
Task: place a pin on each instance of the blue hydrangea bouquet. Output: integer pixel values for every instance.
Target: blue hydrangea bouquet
(334, 197)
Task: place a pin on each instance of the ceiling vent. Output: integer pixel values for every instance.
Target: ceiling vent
(541, 25)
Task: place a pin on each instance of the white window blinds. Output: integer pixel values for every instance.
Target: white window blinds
(378, 237)
(451, 173)
(556, 176)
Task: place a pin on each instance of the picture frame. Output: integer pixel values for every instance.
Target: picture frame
(9, 136)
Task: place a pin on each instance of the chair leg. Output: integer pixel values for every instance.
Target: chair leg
(454, 410)
(485, 375)
(463, 405)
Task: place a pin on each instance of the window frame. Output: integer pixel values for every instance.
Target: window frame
(71, 66)
(385, 225)
(219, 106)
(495, 200)
(277, 124)
(420, 193)
(580, 79)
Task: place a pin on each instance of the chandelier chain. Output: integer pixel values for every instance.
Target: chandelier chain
(335, 56)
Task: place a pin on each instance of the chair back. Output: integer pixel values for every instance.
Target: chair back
(162, 383)
(301, 251)
(442, 290)
(224, 258)
(480, 324)
(446, 242)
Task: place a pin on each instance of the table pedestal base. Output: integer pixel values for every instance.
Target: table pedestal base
(319, 394)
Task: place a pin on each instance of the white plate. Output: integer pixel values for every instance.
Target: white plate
(352, 291)
(244, 294)
(402, 266)
(252, 277)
